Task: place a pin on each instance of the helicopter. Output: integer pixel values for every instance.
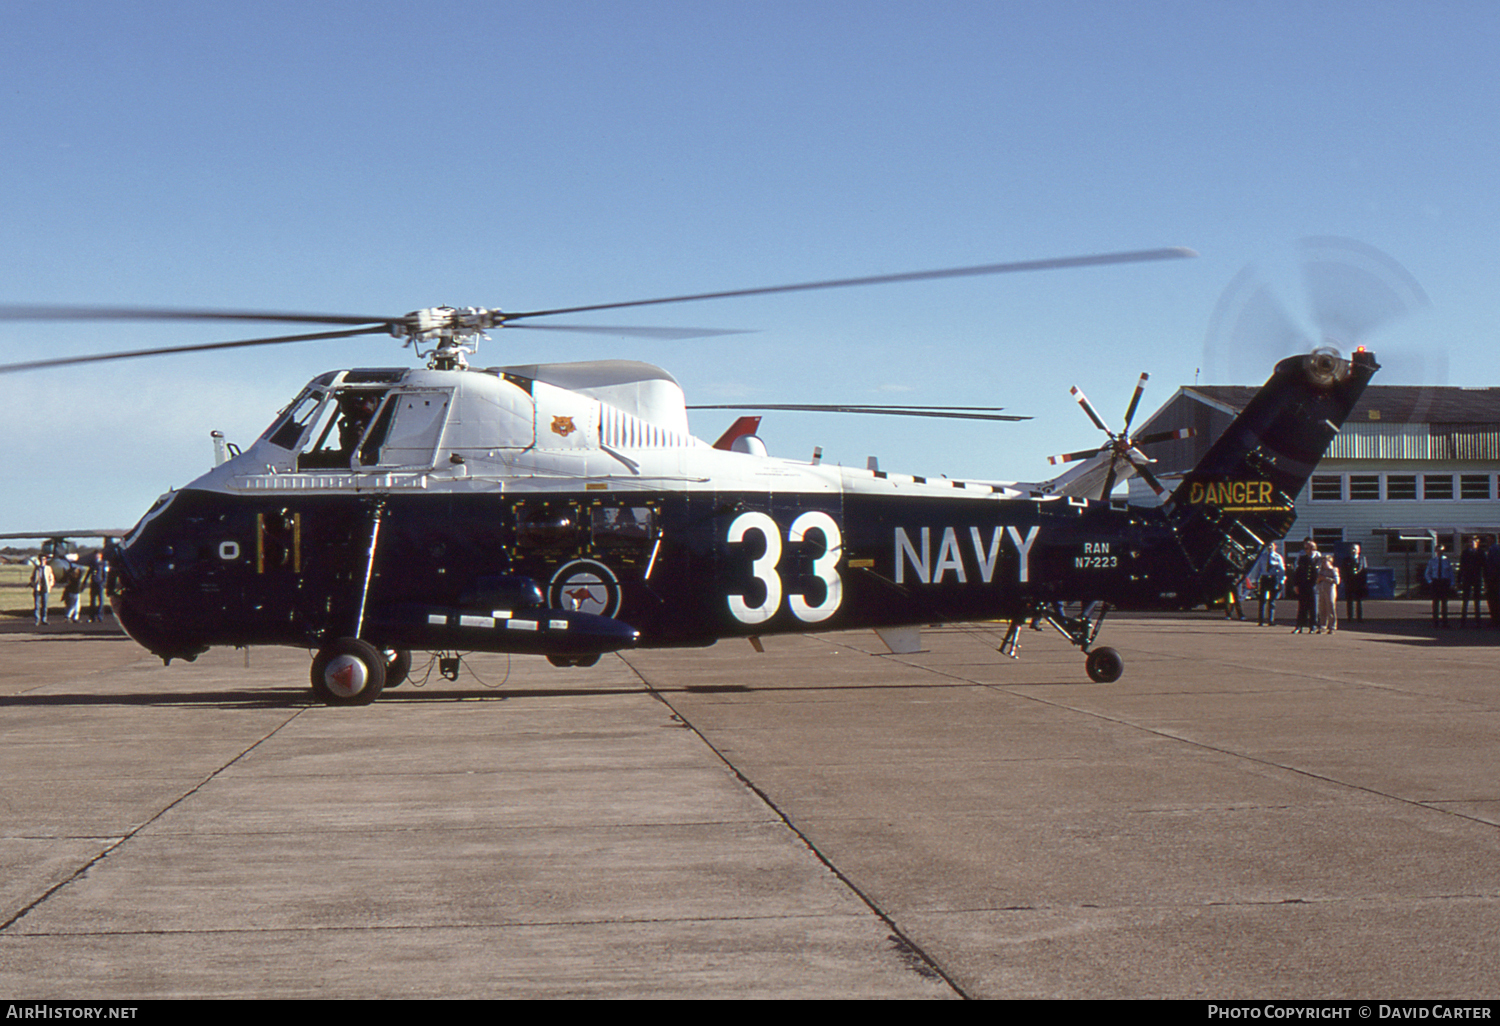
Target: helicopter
(566, 510)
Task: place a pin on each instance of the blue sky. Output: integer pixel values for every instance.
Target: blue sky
(381, 156)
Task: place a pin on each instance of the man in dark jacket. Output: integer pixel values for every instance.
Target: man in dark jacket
(1471, 582)
(1305, 583)
(1355, 574)
(1492, 580)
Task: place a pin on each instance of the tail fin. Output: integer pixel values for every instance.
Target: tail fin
(1240, 495)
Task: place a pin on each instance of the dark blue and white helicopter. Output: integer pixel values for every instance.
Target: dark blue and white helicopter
(566, 510)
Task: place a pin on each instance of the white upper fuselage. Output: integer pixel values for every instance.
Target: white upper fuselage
(599, 426)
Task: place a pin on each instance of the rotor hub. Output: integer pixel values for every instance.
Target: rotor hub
(452, 332)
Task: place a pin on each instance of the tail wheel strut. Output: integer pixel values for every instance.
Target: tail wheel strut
(1104, 665)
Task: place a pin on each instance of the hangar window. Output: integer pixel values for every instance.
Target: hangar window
(1474, 486)
(1364, 487)
(1401, 486)
(1327, 488)
(1437, 486)
(1396, 545)
(1328, 538)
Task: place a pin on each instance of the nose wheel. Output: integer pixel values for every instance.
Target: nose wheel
(348, 672)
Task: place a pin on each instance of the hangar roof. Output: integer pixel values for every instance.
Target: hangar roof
(1390, 404)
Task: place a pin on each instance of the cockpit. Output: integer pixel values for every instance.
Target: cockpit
(363, 419)
(382, 421)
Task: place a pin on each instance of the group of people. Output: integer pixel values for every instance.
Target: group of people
(1477, 574)
(1316, 580)
(74, 579)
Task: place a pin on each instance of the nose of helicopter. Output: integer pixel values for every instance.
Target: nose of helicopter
(140, 613)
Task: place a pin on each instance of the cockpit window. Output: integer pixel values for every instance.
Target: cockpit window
(407, 431)
(339, 429)
(363, 425)
(288, 431)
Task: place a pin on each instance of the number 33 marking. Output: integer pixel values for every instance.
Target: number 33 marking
(825, 567)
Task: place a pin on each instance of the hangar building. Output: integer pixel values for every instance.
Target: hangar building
(1411, 464)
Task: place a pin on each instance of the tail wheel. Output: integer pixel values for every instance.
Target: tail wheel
(397, 666)
(348, 672)
(583, 660)
(1105, 666)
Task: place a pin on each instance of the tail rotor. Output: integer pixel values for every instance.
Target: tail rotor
(1349, 292)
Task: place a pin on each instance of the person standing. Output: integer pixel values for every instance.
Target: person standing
(1470, 582)
(1492, 580)
(1328, 596)
(41, 587)
(1354, 580)
(1305, 582)
(1439, 577)
(1232, 603)
(1269, 575)
(72, 591)
(98, 569)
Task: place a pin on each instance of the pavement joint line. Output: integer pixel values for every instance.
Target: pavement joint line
(540, 924)
(962, 681)
(1158, 732)
(110, 849)
(536, 827)
(1303, 674)
(906, 947)
(1146, 906)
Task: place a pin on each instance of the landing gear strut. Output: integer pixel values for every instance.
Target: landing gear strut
(350, 671)
(1104, 665)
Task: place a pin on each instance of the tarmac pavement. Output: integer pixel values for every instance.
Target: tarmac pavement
(1245, 814)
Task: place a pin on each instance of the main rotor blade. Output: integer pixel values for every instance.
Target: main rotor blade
(1162, 436)
(1146, 475)
(11, 368)
(1109, 481)
(1137, 256)
(135, 313)
(1088, 408)
(637, 332)
(1081, 454)
(1135, 400)
(950, 412)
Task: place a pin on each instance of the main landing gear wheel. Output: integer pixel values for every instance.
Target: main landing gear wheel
(348, 672)
(1104, 666)
(397, 666)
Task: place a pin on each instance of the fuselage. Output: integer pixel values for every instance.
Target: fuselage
(568, 509)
